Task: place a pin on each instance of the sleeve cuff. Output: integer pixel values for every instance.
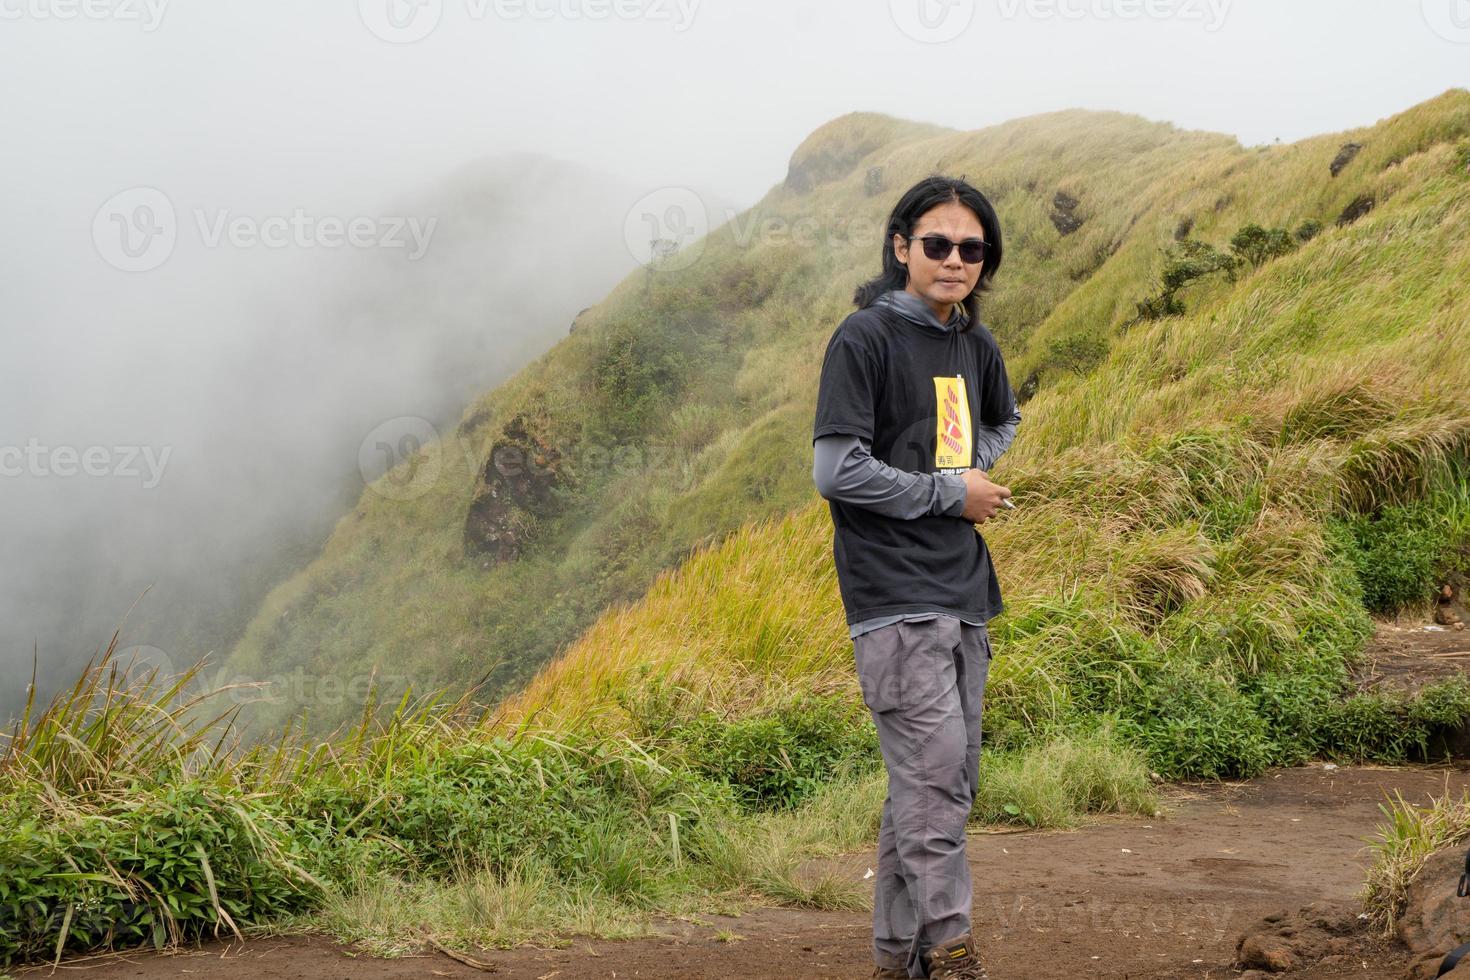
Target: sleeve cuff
(952, 494)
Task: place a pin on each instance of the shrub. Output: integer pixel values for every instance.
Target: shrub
(1188, 261)
(1258, 245)
(777, 760)
(1403, 551)
(1307, 230)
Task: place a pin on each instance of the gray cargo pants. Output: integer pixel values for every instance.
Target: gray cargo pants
(924, 683)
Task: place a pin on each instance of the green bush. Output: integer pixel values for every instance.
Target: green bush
(1258, 245)
(1188, 261)
(146, 869)
(1076, 354)
(778, 760)
(1307, 230)
(1403, 552)
(1195, 723)
(1392, 726)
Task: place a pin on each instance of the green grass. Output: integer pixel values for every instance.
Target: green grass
(430, 827)
(1209, 505)
(684, 399)
(1403, 844)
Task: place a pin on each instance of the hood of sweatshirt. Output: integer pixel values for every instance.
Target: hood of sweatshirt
(915, 310)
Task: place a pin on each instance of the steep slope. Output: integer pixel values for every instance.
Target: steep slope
(1178, 552)
(310, 349)
(680, 407)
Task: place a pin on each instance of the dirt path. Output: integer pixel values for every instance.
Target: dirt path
(1123, 897)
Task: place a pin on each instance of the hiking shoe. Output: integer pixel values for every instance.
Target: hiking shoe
(955, 960)
(891, 972)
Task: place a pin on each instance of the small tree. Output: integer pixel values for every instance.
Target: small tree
(1185, 263)
(1307, 230)
(1258, 245)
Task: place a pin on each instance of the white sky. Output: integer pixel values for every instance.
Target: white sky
(259, 98)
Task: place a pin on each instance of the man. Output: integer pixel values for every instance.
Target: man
(914, 405)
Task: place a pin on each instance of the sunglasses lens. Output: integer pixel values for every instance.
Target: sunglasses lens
(935, 247)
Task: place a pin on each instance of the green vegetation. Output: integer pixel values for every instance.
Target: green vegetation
(128, 821)
(1410, 835)
(681, 405)
(1258, 245)
(1210, 504)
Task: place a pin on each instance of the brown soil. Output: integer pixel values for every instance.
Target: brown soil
(1408, 656)
(1167, 897)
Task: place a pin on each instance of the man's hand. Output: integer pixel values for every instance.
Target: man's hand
(982, 498)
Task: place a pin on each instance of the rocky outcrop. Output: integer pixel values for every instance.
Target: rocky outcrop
(515, 490)
(1323, 932)
(1344, 157)
(1360, 206)
(1063, 218)
(1435, 920)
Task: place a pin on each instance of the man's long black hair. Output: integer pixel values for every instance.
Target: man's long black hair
(931, 192)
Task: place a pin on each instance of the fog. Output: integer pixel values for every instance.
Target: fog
(246, 245)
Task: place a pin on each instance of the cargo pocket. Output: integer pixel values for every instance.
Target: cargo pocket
(904, 664)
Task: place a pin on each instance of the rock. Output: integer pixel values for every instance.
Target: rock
(1435, 920)
(1344, 157)
(1266, 953)
(514, 489)
(1286, 940)
(1446, 610)
(1062, 218)
(1360, 206)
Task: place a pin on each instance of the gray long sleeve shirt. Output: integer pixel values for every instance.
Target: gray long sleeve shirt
(844, 468)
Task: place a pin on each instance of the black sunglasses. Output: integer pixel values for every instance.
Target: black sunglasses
(937, 247)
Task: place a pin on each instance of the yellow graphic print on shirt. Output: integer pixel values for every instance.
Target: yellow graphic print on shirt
(953, 447)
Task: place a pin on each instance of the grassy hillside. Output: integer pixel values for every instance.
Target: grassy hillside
(1208, 510)
(1215, 490)
(679, 409)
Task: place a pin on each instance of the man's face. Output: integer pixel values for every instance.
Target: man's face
(946, 280)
